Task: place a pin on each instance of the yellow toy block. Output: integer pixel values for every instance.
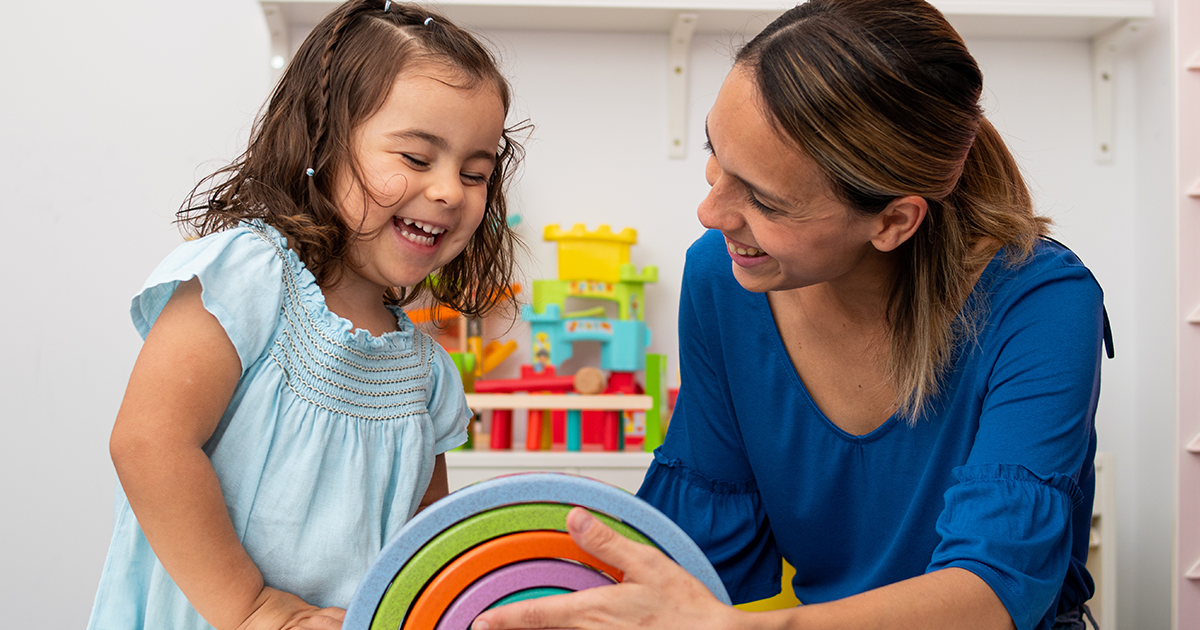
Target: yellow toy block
(597, 255)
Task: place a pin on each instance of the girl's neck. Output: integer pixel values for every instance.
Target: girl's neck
(361, 303)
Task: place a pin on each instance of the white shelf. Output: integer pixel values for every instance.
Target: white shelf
(624, 469)
(1035, 19)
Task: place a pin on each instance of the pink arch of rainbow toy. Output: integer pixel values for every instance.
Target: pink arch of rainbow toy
(513, 579)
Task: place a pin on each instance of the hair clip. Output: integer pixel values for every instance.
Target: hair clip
(308, 171)
(387, 6)
(428, 21)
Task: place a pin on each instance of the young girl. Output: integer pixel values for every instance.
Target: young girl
(284, 419)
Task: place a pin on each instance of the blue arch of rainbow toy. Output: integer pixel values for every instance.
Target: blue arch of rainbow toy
(518, 489)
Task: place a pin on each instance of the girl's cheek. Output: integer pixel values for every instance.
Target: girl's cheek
(391, 187)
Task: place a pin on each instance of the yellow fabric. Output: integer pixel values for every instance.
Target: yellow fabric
(785, 599)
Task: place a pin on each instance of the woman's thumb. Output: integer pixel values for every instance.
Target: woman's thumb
(602, 541)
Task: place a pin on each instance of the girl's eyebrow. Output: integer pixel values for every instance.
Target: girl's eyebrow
(438, 142)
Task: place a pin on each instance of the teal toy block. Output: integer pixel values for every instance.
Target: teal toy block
(623, 342)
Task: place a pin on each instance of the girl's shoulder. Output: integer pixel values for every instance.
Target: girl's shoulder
(244, 275)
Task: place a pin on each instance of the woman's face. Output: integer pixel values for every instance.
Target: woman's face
(783, 227)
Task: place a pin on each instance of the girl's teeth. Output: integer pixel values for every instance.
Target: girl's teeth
(749, 251)
(421, 226)
(419, 240)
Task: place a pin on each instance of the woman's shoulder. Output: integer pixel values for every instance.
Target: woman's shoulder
(1049, 263)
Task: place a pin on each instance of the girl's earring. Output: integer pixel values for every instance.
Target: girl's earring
(309, 171)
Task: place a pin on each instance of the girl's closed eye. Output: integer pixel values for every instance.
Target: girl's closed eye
(414, 161)
(475, 179)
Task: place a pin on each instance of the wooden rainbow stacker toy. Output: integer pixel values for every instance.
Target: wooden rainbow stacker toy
(505, 540)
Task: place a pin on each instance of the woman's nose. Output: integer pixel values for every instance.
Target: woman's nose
(716, 210)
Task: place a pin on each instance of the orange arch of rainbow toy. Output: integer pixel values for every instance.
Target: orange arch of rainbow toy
(488, 557)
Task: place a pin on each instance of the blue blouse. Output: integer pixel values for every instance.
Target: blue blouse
(326, 448)
(998, 479)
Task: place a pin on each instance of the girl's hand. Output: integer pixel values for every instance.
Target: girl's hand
(277, 610)
(656, 593)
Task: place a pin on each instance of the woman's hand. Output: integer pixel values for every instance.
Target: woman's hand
(277, 610)
(656, 593)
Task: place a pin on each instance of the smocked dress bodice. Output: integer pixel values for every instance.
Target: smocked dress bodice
(326, 447)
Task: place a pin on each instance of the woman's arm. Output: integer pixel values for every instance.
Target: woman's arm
(657, 593)
(181, 384)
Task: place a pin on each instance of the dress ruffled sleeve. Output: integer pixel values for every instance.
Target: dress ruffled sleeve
(1021, 554)
(727, 521)
(241, 277)
(447, 403)
(1011, 514)
(701, 477)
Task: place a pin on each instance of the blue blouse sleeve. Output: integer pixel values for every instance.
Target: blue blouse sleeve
(1010, 516)
(241, 277)
(700, 477)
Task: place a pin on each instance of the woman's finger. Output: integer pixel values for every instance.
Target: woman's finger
(636, 560)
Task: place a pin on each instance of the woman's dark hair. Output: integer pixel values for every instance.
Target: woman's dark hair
(884, 96)
(341, 75)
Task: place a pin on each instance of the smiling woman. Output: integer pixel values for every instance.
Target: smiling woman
(889, 376)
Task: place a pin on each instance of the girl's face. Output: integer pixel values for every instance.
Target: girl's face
(425, 159)
(783, 227)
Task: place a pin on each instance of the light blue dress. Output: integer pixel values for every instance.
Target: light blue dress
(326, 448)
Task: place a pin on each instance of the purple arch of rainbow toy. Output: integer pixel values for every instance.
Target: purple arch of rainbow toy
(518, 489)
(515, 578)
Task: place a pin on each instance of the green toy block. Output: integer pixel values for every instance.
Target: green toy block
(656, 388)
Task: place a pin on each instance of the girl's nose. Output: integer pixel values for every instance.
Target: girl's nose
(445, 187)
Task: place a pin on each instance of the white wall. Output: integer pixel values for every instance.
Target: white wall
(111, 113)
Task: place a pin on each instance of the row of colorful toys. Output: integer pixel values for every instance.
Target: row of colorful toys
(604, 408)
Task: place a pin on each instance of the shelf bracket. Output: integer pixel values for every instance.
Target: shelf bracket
(1105, 47)
(280, 46)
(1194, 572)
(678, 51)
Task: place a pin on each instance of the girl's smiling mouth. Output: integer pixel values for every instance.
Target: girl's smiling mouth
(418, 232)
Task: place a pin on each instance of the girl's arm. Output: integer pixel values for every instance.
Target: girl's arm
(657, 593)
(439, 486)
(181, 384)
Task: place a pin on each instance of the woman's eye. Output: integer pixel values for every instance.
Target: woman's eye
(765, 209)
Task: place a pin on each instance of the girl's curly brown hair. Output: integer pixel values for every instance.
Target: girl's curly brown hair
(340, 76)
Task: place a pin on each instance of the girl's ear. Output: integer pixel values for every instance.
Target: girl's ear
(899, 221)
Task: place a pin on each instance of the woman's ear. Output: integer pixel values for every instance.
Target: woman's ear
(899, 221)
